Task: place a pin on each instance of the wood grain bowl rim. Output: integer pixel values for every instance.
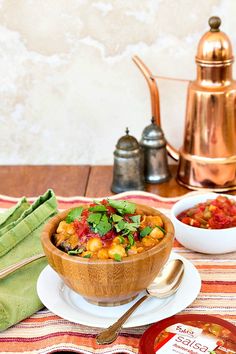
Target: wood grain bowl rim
(51, 225)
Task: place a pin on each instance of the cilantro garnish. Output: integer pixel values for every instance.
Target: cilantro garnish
(104, 225)
(120, 225)
(121, 239)
(126, 227)
(74, 214)
(94, 218)
(146, 231)
(97, 208)
(116, 218)
(131, 240)
(88, 255)
(77, 251)
(128, 247)
(129, 227)
(122, 206)
(117, 257)
(136, 218)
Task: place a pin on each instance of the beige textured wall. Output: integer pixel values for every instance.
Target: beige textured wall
(68, 86)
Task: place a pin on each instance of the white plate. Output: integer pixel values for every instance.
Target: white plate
(64, 302)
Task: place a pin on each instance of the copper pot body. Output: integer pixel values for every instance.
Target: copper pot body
(207, 158)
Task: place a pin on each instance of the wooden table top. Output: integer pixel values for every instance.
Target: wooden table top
(72, 180)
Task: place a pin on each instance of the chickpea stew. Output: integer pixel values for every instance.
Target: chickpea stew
(110, 229)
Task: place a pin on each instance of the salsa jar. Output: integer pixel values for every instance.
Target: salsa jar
(194, 334)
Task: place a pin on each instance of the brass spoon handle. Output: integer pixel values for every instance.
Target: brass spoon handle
(12, 268)
(110, 334)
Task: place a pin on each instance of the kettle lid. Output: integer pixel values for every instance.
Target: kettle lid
(127, 142)
(214, 47)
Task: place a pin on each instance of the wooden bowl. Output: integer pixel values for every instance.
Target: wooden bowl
(107, 282)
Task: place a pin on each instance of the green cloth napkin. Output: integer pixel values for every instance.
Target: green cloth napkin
(20, 229)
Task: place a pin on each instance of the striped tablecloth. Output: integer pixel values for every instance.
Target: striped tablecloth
(45, 332)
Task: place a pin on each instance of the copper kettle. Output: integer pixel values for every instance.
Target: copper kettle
(207, 158)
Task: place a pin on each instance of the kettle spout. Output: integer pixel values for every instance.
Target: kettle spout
(155, 101)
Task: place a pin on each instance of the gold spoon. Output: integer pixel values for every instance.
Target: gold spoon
(165, 284)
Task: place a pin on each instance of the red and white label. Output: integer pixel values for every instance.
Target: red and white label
(183, 339)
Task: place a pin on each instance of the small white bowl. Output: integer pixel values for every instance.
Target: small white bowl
(202, 240)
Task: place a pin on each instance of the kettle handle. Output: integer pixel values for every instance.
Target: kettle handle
(155, 101)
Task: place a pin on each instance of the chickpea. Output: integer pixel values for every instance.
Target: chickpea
(156, 233)
(62, 227)
(73, 241)
(151, 221)
(94, 244)
(148, 241)
(157, 220)
(116, 241)
(120, 240)
(116, 249)
(103, 253)
(70, 229)
(132, 250)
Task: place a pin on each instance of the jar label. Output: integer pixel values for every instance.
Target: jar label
(184, 339)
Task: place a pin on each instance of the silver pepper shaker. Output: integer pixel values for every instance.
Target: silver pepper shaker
(128, 165)
(153, 145)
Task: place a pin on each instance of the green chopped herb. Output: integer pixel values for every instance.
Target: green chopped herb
(116, 218)
(98, 208)
(122, 206)
(74, 214)
(77, 251)
(88, 255)
(146, 231)
(161, 228)
(128, 247)
(120, 226)
(103, 226)
(121, 239)
(131, 240)
(117, 257)
(129, 227)
(94, 218)
(136, 219)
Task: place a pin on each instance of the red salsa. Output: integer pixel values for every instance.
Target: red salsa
(184, 334)
(218, 213)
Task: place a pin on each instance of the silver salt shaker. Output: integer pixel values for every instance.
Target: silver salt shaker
(128, 165)
(153, 145)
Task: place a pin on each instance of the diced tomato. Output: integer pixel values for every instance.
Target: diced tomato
(109, 235)
(81, 227)
(110, 210)
(186, 220)
(219, 213)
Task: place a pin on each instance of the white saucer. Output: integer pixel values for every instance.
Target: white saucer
(64, 302)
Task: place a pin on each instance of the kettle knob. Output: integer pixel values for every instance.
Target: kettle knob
(214, 23)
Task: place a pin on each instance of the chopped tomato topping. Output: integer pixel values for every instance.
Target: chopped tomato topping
(218, 213)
